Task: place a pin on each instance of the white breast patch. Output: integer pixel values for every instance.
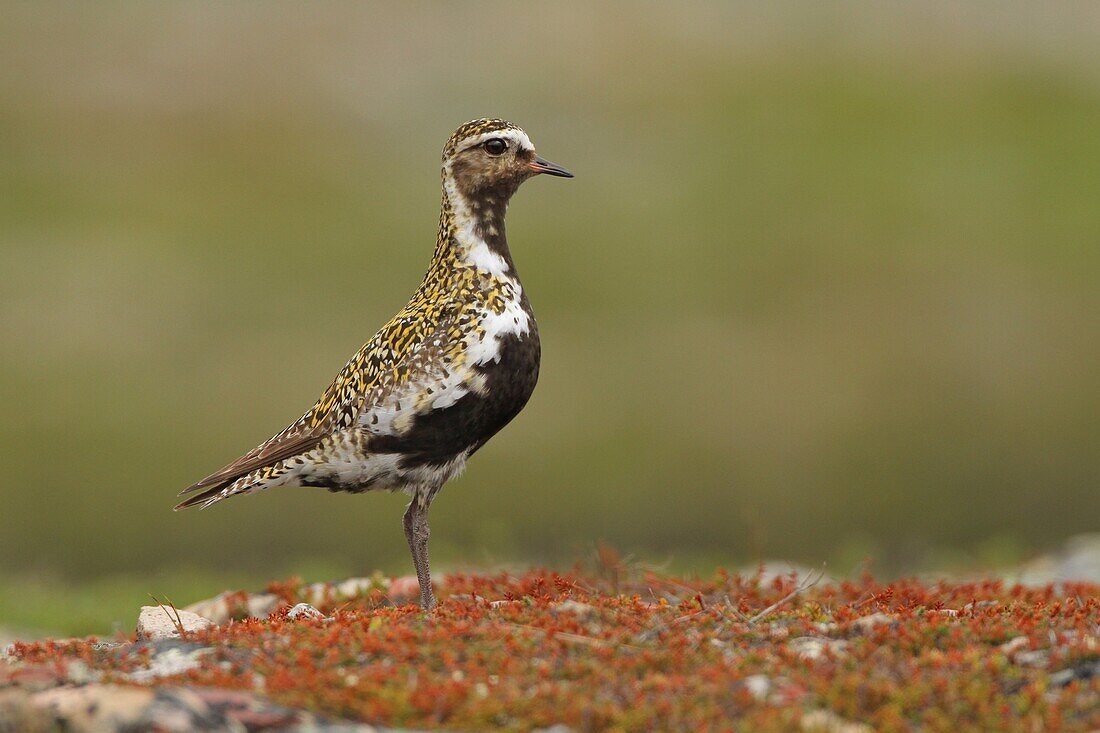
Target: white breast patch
(484, 343)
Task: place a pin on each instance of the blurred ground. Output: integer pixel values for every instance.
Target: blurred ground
(612, 649)
(824, 287)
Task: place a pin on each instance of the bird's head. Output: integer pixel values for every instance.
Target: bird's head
(491, 157)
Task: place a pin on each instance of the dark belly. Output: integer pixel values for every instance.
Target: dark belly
(436, 437)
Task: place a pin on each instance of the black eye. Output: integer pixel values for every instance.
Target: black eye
(495, 146)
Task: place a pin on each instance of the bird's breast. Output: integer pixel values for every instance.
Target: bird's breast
(504, 316)
(484, 385)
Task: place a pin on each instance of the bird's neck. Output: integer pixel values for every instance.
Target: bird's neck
(471, 231)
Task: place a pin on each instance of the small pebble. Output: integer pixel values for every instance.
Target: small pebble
(758, 685)
(304, 610)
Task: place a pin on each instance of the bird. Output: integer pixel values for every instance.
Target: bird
(441, 378)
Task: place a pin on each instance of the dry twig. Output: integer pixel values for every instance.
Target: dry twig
(808, 582)
(176, 620)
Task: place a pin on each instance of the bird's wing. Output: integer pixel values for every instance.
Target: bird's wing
(398, 356)
(408, 354)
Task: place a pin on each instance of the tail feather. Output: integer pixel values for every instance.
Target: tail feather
(290, 442)
(268, 477)
(205, 498)
(259, 468)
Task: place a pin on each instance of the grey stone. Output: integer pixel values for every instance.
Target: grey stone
(1078, 560)
(1014, 646)
(759, 686)
(826, 721)
(170, 662)
(865, 624)
(101, 708)
(1084, 671)
(575, 608)
(772, 569)
(812, 648)
(319, 593)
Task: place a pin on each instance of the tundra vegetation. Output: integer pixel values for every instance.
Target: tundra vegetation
(616, 648)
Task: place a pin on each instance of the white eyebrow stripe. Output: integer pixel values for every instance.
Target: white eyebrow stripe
(514, 136)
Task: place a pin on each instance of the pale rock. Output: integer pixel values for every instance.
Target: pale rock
(1019, 649)
(96, 707)
(865, 624)
(79, 673)
(1079, 560)
(320, 593)
(826, 721)
(1082, 671)
(1014, 646)
(574, 608)
(355, 587)
(158, 622)
(1020, 652)
(759, 686)
(303, 611)
(218, 609)
(812, 648)
(19, 713)
(1037, 658)
(980, 604)
(169, 662)
(101, 708)
(262, 605)
(771, 569)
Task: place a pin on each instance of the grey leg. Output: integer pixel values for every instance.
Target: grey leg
(417, 532)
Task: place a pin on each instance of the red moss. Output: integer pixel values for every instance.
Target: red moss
(642, 651)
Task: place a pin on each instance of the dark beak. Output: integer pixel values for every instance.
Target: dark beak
(538, 165)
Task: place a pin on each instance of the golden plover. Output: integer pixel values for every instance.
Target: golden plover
(442, 377)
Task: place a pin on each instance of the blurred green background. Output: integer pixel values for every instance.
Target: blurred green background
(825, 286)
